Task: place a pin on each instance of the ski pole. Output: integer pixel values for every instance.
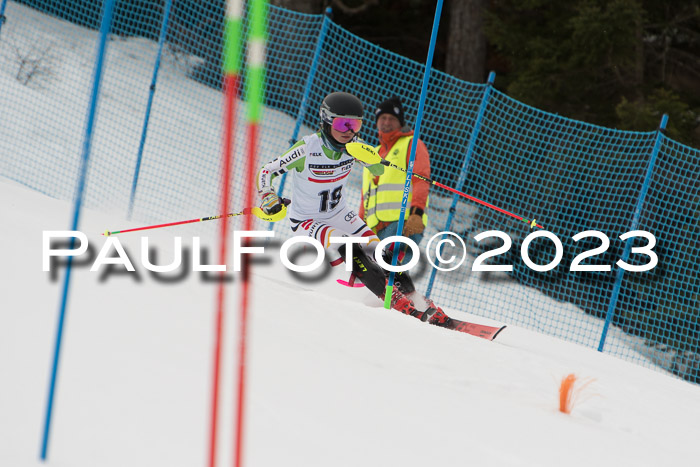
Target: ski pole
(367, 154)
(256, 211)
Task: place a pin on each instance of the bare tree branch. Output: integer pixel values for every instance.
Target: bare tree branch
(34, 59)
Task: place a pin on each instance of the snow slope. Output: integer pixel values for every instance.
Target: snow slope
(334, 379)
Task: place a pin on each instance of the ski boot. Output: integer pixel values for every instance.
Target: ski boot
(373, 277)
(429, 308)
(401, 279)
(439, 318)
(402, 303)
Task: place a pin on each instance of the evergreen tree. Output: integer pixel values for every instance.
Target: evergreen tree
(619, 63)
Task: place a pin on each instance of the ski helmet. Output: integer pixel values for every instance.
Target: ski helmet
(338, 104)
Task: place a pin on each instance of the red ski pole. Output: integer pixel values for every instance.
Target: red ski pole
(367, 154)
(256, 211)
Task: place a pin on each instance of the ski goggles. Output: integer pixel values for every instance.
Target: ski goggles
(342, 124)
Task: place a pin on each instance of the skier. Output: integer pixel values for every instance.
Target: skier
(319, 166)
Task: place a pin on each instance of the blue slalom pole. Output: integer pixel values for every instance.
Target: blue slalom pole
(633, 226)
(307, 91)
(97, 78)
(3, 4)
(312, 74)
(156, 67)
(465, 164)
(411, 160)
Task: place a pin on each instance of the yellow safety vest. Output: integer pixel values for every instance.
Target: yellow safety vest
(382, 202)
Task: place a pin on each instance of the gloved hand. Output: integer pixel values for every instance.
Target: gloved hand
(271, 203)
(414, 225)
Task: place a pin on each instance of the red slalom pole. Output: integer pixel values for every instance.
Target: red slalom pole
(231, 83)
(231, 67)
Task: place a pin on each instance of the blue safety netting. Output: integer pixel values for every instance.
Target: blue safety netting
(569, 175)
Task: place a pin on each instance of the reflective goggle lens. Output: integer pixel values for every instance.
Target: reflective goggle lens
(344, 124)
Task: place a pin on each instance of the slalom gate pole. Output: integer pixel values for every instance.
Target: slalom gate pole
(231, 82)
(3, 4)
(82, 175)
(307, 88)
(636, 217)
(465, 167)
(256, 88)
(147, 116)
(412, 158)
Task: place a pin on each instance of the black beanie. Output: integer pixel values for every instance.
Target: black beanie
(391, 106)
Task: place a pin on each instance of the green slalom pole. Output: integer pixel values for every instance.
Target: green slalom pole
(255, 81)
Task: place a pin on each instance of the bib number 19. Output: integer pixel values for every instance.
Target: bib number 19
(329, 199)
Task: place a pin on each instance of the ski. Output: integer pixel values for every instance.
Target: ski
(479, 330)
(439, 318)
(410, 302)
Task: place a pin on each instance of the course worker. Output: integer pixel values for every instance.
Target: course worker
(382, 194)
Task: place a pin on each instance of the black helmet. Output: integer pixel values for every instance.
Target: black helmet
(338, 104)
